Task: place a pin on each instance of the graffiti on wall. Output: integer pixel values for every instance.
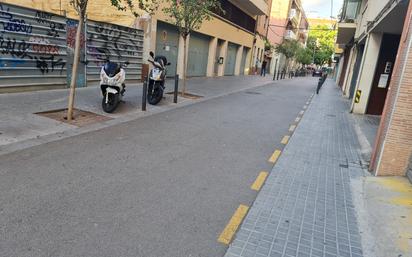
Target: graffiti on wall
(112, 42)
(19, 45)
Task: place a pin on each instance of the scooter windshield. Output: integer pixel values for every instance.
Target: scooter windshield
(111, 69)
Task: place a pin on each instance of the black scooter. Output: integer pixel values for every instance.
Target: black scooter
(157, 78)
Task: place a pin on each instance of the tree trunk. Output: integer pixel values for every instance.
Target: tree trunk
(184, 65)
(74, 69)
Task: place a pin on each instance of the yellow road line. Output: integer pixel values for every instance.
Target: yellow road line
(259, 180)
(297, 119)
(301, 112)
(231, 227)
(292, 128)
(285, 140)
(275, 156)
(305, 107)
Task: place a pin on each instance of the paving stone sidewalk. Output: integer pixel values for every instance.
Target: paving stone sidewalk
(305, 207)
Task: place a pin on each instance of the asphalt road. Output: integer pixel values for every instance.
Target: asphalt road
(163, 185)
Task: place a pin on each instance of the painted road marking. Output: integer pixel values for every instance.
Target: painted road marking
(297, 119)
(275, 156)
(231, 227)
(304, 107)
(292, 128)
(307, 102)
(301, 112)
(259, 180)
(285, 140)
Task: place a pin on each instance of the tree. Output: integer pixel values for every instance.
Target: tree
(289, 48)
(321, 42)
(304, 56)
(80, 7)
(188, 15)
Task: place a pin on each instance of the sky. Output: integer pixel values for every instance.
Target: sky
(321, 8)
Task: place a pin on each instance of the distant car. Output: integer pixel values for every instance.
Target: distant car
(317, 73)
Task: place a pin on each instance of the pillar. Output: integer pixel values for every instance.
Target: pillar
(222, 53)
(211, 61)
(238, 60)
(367, 71)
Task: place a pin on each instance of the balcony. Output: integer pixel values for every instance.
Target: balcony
(347, 25)
(294, 17)
(253, 7)
(289, 34)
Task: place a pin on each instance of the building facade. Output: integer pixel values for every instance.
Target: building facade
(373, 73)
(287, 21)
(222, 46)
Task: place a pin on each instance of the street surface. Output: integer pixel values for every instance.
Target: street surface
(162, 185)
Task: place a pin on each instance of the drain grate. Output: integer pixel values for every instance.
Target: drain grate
(252, 93)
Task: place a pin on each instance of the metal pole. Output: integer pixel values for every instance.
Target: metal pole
(144, 95)
(176, 89)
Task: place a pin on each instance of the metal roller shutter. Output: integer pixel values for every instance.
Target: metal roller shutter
(119, 44)
(243, 63)
(197, 55)
(167, 43)
(231, 59)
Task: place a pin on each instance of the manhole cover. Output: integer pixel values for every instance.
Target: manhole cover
(252, 93)
(81, 118)
(186, 95)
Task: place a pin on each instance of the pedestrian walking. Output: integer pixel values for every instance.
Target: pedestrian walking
(263, 70)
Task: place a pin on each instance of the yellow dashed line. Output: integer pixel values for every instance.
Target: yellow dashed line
(259, 180)
(301, 112)
(275, 156)
(285, 140)
(305, 107)
(292, 128)
(297, 119)
(230, 229)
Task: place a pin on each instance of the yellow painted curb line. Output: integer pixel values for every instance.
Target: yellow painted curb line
(297, 119)
(231, 227)
(292, 128)
(301, 112)
(257, 185)
(285, 140)
(275, 156)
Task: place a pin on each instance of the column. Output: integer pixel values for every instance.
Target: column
(179, 68)
(367, 71)
(222, 53)
(238, 63)
(211, 61)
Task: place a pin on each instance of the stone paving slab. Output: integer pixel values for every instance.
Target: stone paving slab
(305, 207)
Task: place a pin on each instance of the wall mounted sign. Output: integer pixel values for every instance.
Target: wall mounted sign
(383, 81)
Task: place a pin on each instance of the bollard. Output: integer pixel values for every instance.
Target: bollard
(144, 95)
(176, 89)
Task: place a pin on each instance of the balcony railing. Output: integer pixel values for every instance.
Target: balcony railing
(289, 34)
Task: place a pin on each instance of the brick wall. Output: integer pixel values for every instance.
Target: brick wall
(393, 145)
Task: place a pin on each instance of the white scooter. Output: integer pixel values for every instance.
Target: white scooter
(112, 78)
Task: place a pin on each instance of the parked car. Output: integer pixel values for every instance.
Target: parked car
(317, 73)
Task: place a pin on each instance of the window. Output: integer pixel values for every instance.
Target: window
(237, 16)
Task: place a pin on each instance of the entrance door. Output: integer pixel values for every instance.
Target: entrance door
(243, 62)
(230, 59)
(167, 42)
(198, 54)
(383, 73)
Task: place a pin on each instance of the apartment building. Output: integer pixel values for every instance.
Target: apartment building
(287, 21)
(374, 73)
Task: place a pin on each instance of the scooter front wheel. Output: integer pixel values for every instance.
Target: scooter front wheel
(111, 104)
(156, 95)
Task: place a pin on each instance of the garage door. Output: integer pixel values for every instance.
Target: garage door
(198, 55)
(167, 42)
(230, 59)
(243, 63)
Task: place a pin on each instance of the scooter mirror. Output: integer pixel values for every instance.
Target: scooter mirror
(151, 54)
(168, 63)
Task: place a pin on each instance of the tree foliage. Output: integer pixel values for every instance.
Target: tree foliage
(288, 48)
(321, 40)
(304, 56)
(149, 6)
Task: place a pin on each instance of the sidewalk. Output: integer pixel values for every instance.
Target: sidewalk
(18, 123)
(315, 200)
